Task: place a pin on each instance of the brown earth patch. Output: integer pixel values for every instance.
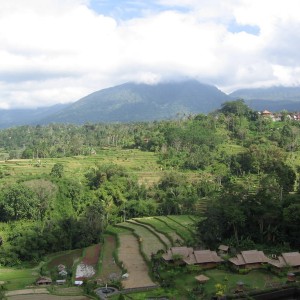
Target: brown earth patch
(91, 255)
(134, 263)
(46, 297)
(109, 267)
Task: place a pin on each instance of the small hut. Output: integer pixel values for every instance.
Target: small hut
(44, 281)
(202, 278)
(223, 249)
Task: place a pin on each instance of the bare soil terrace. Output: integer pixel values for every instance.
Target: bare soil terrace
(134, 263)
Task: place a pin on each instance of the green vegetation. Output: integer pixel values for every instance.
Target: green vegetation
(228, 177)
(17, 278)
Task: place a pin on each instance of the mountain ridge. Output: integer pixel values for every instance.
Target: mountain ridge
(137, 102)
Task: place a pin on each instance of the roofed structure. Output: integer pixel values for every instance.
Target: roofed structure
(291, 259)
(223, 248)
(250, 259)
(44, 281)
(202, 278)
(184, 252)
(202, 257)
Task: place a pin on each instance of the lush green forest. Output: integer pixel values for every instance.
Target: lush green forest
(234, 166)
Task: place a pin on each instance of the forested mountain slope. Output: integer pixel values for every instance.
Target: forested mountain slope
(133, 102)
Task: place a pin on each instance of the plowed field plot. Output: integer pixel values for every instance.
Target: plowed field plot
(87, 267)
(134, 263)
(66, 258)
(182, 231)
(149, 241)
(108, 268)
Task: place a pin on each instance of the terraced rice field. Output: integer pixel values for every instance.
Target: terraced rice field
(150, 243)
(167, 241)
(133, 262)
(146, 236)
(184, 220)
(182, 231)
(143, 164)
(161, 227)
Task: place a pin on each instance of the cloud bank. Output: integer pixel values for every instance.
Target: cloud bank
(54, 51)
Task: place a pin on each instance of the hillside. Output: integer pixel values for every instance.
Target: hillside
(132, 102)
(15, 117)
(275, 93)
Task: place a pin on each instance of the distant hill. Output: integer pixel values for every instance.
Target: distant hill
(16, 117)
(276, 93)
(131, 102)
(274, 106)
(275, 98)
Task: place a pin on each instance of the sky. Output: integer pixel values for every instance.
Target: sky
(57, 51)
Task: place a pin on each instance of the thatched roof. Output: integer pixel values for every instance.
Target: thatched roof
(223, 248)
(44, 280)
(292, 258)
(182, 251)
(202, 257)
(201, 278)
(249, 257)
(286, 259)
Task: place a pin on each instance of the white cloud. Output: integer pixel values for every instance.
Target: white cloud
(58, 51)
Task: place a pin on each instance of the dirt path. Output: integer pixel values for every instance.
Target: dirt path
(27, 291)
(133, 261)
(46, 297)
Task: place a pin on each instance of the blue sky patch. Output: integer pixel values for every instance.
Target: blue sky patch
(128, 9)
(234, 27)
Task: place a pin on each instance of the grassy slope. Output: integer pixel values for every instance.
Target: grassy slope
(17, 278)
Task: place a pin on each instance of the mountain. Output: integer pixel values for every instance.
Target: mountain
(16, 117)
(274, 106)
(275, 93)
(131, 102)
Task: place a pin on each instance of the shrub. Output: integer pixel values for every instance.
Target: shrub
(244, 271)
